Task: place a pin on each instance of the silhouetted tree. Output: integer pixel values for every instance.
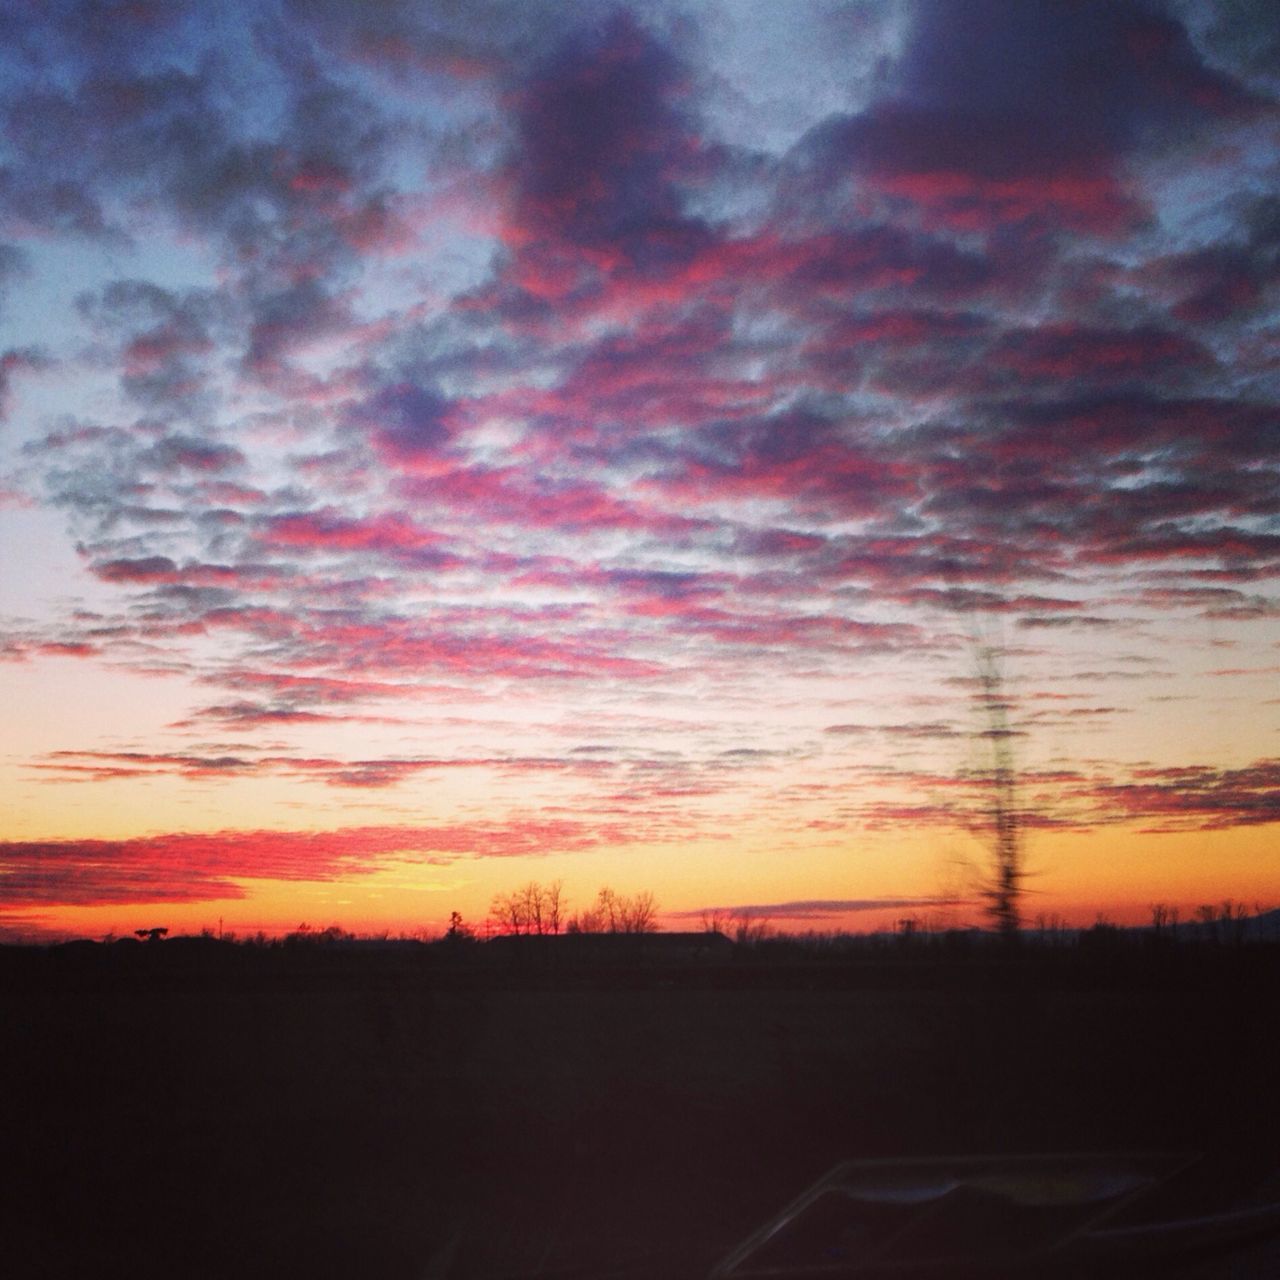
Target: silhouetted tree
(742, 926)
(749, 930)
(639, 913)
(458, 931)
(617, 913)
(552, 905)
(151, 935)
(506, 913)
(534, 909)
(1235, 921)
(1003, 887)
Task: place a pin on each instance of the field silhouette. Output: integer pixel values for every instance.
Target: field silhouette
(432, 1111)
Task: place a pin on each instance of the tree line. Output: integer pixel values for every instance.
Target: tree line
(540, 910)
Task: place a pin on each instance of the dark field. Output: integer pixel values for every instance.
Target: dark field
(378, 1116)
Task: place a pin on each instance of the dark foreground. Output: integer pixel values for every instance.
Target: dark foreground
(381, 1116)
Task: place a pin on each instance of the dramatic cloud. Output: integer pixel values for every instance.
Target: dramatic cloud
(183, 867)
(377, 365)
(1194, 797)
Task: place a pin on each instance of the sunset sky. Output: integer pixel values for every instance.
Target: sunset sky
(444, 445)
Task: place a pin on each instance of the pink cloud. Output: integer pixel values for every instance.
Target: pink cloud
(184, 867)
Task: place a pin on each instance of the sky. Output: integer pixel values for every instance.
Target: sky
(448, 445)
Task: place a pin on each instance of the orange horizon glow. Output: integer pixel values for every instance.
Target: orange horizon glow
(1069, 894)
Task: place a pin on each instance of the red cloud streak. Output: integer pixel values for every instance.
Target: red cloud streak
(183, 867)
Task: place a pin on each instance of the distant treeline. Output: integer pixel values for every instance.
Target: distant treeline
(1230, 946)
(1226, 924)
